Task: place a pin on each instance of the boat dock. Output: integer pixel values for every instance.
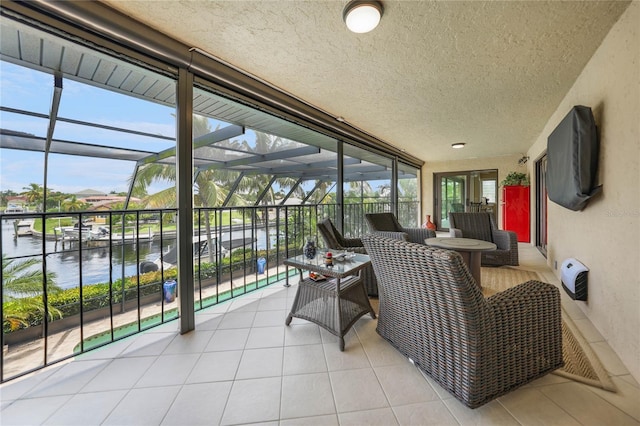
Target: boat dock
(101, 235)
(23, 228)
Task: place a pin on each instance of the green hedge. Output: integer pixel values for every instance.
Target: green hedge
(96, 296)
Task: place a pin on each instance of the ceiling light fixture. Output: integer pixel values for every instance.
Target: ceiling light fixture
(458, 145)
(362, 16)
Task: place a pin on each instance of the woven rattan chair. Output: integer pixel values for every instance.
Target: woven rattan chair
(334, 240)
(482, 226)
(476, 348)
(386, 225)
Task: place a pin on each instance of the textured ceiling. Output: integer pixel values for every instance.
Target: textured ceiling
(433, 73)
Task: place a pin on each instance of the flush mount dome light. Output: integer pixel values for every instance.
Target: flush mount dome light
(458, 145)
(362, 16)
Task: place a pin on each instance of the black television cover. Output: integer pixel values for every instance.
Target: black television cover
(572, 160)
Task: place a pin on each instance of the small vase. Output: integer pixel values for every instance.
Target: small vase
(310, 249)
(428, 224)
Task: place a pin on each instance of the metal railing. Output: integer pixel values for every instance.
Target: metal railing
(98, 277)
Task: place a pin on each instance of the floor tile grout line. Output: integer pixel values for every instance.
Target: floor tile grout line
(391, 406)
(331, 383)
(69, 397)
(593, 390)
(235, 374)
(612, 404)
(282, 379)
(506, 409)
(538, 389)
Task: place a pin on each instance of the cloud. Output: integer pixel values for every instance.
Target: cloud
(67, 173)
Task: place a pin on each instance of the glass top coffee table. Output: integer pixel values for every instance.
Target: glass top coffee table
(336, 299)
(469, 248)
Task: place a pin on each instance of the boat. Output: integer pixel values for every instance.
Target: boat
(102, 234)
(23, 228)
(75, 232)
(14, 208)
(201, 250)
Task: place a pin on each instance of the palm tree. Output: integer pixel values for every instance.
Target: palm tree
(34, 193)
(22, 283)
(319, 195)
(55, 200)
(211, 186)
(73, 204)
(152, 173)
(408, 188)
(5, 194)
(255, 184)
(269, 143)
(385, 190)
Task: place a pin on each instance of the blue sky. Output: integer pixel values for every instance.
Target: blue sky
(32, 90)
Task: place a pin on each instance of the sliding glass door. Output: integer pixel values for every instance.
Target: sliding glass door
(452, 190)
(465, 191)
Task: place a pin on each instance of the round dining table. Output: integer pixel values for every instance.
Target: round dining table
(470, 249)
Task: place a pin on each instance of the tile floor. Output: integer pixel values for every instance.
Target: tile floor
(242, 365)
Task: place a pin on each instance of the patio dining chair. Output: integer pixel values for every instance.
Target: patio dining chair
(387, 225)
(482, 226)
(477, 348)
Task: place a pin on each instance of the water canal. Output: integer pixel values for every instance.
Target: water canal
(98, 263)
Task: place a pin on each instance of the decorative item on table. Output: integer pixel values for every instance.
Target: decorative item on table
(316, 277)
(428, 224)
(339, 257)
(310, 249)
(328, 259)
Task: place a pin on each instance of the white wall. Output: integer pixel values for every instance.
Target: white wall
(605, 236)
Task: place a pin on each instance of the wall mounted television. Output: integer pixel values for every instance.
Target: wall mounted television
(572, 160)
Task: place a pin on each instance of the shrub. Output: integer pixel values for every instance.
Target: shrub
(96, 296)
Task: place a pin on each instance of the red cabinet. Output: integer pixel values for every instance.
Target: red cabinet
(515, 211)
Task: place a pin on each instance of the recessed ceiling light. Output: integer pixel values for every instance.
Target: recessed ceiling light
(458, 145)
(362, 16)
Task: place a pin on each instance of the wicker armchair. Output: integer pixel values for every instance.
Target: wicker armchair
(476, 348)
(334, 240)
(482, 226)
(386, 225)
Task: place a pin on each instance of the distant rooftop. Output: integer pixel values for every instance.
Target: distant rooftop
(89, 193)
